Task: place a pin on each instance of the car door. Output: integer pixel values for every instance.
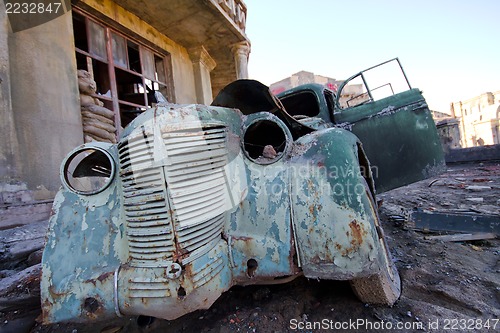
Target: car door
(394, 124)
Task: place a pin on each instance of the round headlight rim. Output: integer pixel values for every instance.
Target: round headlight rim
(102, 147)
(266, 116)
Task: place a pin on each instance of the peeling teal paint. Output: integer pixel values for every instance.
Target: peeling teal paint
(189, 214)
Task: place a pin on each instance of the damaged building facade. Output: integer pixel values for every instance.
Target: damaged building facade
(126, 52)
(304, 77)
(479, 119)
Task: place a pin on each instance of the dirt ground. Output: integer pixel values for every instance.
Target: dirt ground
(451, 286)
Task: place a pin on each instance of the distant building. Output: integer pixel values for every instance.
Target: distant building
(304, 77)
(479, 119)
(449, 133)
(448, 129)
(438, 115)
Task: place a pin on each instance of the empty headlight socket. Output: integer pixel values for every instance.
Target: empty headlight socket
(266, 139)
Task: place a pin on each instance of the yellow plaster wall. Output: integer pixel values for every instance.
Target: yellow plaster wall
(182, 68)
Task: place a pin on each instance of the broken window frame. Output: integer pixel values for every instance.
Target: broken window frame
(121, 85)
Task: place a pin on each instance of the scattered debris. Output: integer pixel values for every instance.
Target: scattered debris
(18, 243)
(475, 199)
(476, 248)
(440, 279)
(269, 152)
(438, 221)
(476, 188)
(462, 237)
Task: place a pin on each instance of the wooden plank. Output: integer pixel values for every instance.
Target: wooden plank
(20, 281)
(462, 237)
(18, 243)
(464, 223)
(16, 215)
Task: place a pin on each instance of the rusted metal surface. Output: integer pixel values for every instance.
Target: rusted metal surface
(332, 217)
(155, 241)
(201, 198)
(261, 246)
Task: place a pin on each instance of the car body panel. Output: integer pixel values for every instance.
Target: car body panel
(398, 133)
(331, 208)
(399, 137)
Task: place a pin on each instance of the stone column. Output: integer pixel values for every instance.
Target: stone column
(241, 51)
(203, 64)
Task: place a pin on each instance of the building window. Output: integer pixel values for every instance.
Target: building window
(128, 74)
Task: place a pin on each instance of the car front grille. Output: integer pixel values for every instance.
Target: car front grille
(174, 193)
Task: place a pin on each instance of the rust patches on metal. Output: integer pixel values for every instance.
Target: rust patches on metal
(243, 238)
(356, 233)
(188, 273)
(105, 276)
(312, 208)
(46, 304)
(91, 281)
(54, 293)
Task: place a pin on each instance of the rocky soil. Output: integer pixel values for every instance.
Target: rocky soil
(446, 285)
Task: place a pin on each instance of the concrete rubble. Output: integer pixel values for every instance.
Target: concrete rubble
(441, 278)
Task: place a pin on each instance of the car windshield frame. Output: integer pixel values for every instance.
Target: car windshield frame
(367, 95)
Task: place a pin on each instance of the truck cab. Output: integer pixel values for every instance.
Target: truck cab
(379, 106)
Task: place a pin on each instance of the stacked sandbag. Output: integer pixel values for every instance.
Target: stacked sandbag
(98, 122)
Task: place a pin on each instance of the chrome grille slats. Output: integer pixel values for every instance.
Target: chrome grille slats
(153, 205)
(196, 168)
(199, 183)
(188, 197)
(194, 237)
(198, 203)
(194, 217)
(196, 180)
(149, 226)
(178, 195)
(154, 229)
(153, 192)
(200, 156)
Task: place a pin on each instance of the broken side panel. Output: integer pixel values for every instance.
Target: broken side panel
(333, 221)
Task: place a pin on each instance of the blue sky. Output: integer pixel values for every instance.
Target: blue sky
(449, 49)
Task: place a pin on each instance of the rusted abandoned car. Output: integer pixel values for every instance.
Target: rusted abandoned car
(251, 190)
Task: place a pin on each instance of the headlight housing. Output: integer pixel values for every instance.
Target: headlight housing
(264, 131)
(89, 169)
